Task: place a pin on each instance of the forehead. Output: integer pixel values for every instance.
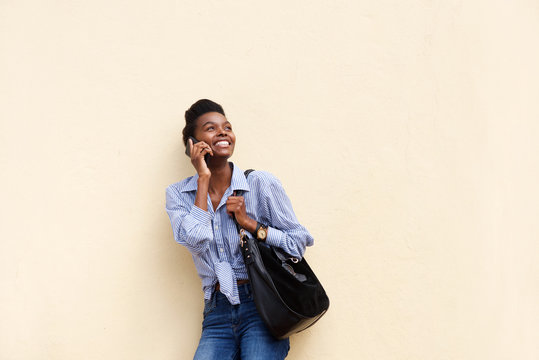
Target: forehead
(211, 117)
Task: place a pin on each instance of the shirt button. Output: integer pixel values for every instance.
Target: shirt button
(221, 249)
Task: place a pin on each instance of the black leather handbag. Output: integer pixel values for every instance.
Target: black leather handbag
(287, 293)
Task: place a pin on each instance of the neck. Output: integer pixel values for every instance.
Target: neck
(221, 176)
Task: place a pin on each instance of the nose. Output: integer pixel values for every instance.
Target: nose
(221, 132)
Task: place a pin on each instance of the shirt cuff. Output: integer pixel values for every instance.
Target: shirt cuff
(275, 237)
(204, 217)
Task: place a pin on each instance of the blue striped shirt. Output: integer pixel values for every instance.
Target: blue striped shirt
(212, 237)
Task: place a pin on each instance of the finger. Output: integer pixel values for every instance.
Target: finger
(234, 199)
(196, 155)
(192, 147)
(239, 201)
(198, 147)
(199, 144)
(196, 150)
(206, 150)
(205, 145)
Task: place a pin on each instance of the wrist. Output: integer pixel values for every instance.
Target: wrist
(203, 179)
(249, 224)
(261, 232)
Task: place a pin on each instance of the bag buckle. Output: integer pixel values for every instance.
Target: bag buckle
(242, 237)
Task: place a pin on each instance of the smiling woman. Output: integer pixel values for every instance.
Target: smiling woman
(202, 209)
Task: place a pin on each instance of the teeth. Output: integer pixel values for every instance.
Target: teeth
(222, 143)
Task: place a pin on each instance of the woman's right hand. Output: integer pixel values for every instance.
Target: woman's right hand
(198, 151)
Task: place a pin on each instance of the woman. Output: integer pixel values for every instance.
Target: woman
(202, 210)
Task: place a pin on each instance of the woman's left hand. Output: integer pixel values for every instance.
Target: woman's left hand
(235, 206)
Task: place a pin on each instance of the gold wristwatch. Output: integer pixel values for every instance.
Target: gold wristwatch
(261, 232)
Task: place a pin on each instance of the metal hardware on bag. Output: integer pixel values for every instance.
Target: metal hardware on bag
(244, 243)
(290, 269)
(242, 236)
(294, 260)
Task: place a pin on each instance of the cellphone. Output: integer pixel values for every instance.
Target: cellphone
(188, 149)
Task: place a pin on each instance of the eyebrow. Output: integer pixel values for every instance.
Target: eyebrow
(209, 122)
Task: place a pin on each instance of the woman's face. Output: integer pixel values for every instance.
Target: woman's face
(215, 130)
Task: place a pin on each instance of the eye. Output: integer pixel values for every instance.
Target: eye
(209, 128)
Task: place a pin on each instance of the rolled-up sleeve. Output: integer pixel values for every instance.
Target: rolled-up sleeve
(285, 230)
(190, 224)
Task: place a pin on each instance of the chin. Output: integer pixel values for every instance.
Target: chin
(224, 153)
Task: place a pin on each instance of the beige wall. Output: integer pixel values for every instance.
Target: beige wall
(405, 132)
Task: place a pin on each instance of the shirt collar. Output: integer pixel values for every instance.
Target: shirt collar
(238, 181)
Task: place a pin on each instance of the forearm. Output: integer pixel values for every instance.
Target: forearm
(195, 233)
(293, 241)
(201, 199)
(248, 224)
(191, 228)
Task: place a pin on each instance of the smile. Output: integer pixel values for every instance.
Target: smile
(222, 143)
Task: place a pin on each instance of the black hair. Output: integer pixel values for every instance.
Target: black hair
(196, 110)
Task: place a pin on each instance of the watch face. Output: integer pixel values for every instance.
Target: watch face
(261, 234)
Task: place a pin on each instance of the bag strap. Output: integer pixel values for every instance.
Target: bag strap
(246, 173)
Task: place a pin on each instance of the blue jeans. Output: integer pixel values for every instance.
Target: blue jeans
(233, 332)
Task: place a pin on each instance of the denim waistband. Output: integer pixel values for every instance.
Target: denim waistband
(244, 291)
